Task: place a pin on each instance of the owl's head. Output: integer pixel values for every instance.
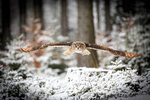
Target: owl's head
(78, 46)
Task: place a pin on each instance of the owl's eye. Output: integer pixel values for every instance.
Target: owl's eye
(76, 45)
(81, 46)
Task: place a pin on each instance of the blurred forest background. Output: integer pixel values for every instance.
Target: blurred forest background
(119, 24)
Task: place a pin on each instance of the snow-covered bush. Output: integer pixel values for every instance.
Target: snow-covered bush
(79, 83)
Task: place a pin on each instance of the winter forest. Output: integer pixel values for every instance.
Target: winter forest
(74, 50)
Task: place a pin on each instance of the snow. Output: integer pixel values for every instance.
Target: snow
(139, 97)
(78, 83)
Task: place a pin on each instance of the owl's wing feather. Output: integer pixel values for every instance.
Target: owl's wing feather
(115, 52)
(88, 46)
(69, 51)
(60, 44)
(57, 44)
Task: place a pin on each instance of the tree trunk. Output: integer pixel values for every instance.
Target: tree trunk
(5, 36)
(108, 27)
(1, 24)
(98, 14)
(86, 32)
(15, 21)
(22, 8)
(0, 14)
(50, 14)
(29, 12)
(38, 10)
(64, 18)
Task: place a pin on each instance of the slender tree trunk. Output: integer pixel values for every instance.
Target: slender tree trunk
(6, 36)
(38, 10)
(64, 17)
(22, 7)
(1, 24)
(98, 13)
(30, 16)
(86, 32)
(50, 14)
(29, 12)
(108, 27)
(0, 15)
(15, 21)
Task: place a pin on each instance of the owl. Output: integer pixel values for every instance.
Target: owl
(81, 48)
(77, 47)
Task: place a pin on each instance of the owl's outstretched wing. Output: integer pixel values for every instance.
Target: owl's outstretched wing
(115, 52)
(86, 52)
(42, 46)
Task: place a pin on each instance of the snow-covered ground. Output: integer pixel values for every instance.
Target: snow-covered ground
(76, 84)
(138, 97)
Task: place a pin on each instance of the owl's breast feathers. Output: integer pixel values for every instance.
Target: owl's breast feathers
(77, 47)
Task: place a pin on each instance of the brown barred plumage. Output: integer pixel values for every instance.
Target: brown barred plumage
(115, 52)
(57, 44)
(80, 47)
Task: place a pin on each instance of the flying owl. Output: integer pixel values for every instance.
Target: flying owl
(81, 48)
